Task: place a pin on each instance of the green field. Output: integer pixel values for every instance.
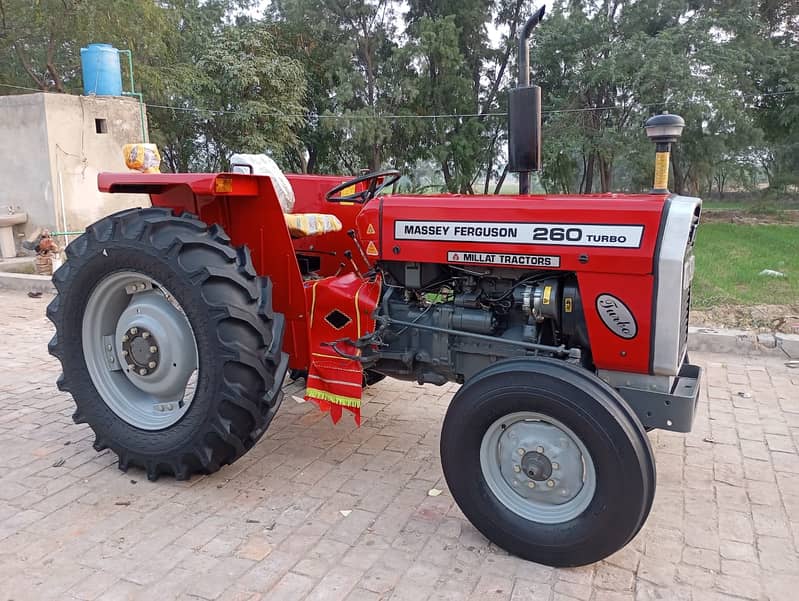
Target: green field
(729, 258)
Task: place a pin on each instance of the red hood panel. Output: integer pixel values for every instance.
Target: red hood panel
(610, 233)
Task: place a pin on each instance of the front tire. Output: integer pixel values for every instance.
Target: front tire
(167, 341)
(548, 462)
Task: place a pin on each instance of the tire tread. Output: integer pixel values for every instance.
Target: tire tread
(249, 402)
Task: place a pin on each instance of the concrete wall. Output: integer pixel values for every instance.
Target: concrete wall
(78, 153)
(51, 153)
(24, 161)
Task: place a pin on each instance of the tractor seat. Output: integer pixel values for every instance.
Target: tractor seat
(302, 225)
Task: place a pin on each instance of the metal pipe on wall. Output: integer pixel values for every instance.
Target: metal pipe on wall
(133, 92)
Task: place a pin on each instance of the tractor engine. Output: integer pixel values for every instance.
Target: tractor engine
(445, 322)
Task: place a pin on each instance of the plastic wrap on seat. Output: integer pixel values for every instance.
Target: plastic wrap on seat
(260, 164)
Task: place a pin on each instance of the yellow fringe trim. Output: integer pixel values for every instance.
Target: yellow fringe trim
(336, 399)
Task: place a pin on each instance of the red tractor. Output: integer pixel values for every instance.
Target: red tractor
(563, 317)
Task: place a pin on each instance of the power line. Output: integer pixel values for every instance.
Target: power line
(8, 85)
(310, 117)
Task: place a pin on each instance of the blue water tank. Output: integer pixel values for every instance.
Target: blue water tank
(102, 75)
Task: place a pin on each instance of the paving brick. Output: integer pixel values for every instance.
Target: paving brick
(337, 585)
(724, 525)
(292, 586)
(739, 586)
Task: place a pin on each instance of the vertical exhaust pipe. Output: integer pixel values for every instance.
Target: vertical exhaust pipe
(524, 113)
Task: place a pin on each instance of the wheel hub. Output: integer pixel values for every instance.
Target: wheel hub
(537, 467)
(540, 461)
(140, 348)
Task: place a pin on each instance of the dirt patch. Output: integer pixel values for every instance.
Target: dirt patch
(761, 318)
(790, 217)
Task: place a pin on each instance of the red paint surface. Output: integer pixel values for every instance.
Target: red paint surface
(251, 216)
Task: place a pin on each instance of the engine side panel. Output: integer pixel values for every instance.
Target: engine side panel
(618, 342)
(608, 241)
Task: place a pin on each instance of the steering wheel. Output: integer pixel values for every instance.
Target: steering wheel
(378, 180)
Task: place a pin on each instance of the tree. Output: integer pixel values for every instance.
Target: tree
(348, 49)
(254, 96)
(40, 42)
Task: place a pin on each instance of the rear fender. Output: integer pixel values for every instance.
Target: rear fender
(247, 207)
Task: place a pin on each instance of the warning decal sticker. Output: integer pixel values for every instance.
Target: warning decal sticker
(553, 234)
(455, 256)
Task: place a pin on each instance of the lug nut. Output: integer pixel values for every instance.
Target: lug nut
(131, 367)
(142, 372)
(153, 349)
(539, 449)
(550, 483)
(125, 338)
(555, 466)
(531, 484)
(134, 331)
(108, 347)
(124, 353)
(151, 364)
(145, 334)
(521, 451)
(517, 469)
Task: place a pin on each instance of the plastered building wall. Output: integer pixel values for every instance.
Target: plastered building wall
(52, 148)
(24, 160)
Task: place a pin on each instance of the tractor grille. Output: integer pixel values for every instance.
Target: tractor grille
(688, 277)
(674, 271)
(685, 311)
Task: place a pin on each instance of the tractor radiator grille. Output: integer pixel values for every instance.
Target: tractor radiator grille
(674, 271)
(685, 311)
(688, 278)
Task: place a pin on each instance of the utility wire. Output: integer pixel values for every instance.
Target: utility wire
(309, 117)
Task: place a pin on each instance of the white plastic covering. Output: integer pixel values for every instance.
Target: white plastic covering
(260, 164)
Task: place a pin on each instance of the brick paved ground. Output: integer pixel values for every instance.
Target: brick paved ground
(725, 524)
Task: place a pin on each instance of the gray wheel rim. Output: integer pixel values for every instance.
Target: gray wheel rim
(140, 350)
(537, 467)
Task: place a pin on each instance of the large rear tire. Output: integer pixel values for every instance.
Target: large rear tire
(548, 462)
(167, 341)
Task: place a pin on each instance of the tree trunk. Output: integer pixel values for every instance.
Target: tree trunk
(605, 174)
(40, 83)
(589, 175)
(374, 161)
(676, 171)
(498, 187)
(582, 176)
(447, 176)
(311, 165)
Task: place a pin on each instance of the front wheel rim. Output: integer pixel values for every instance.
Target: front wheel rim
(537, 467)
(140, 350)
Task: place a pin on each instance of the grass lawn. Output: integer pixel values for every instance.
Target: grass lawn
(730, 256)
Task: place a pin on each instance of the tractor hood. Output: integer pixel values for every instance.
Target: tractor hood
(599, 233)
